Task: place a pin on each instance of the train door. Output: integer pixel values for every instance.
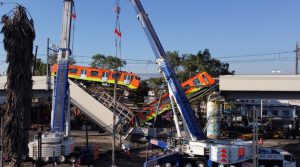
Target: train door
(83, 73)
(104, 76)
(127, 79)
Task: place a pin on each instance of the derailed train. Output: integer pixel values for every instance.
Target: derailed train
(127, 79)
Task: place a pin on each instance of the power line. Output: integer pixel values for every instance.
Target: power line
(259, 54)
(243, 62)
(147, 61)
(257, 60)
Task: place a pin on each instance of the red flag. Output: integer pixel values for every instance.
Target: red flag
(117, 32)
(74, 16)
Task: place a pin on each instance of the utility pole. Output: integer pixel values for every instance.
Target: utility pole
(87, 141)
(1, 140)
(255, 136)
(297, 56)
(48, 66)
(113, 158)
(261, 110)
(34, 62)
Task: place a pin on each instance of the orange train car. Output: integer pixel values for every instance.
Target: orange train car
(128, 79)
(197, 82)
(192, 85)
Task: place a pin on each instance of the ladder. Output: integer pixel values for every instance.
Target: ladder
(123, 114)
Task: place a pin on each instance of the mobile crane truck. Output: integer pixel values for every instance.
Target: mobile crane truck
(58, 143)
(195, 149)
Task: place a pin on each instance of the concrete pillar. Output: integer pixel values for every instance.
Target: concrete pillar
(213, 120)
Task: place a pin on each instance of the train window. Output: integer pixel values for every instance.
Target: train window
(138, 78)
(116, 75)
(196, 82)
(94, 73)
(205, 78)
(73, 70)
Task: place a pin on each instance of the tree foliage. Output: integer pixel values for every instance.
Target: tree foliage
(174, 59)
(187, 65)
(18, 39)
(155, 83)
(40, 68)
(107, 62)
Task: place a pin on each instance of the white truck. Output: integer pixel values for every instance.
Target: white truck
(275, 158)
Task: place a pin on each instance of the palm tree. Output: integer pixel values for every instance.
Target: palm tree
(18, 39)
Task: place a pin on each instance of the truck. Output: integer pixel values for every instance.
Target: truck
(194, 149)
(275, 157)
(57, 144)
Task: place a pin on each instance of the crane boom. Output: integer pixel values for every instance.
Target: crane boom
(60, 102)
(192, 126)
(58, 144)
(66, 24)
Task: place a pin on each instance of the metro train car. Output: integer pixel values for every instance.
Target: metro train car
(197, 82)
(128, 79)
(191, 86)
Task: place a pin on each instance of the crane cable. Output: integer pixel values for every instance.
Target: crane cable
(117, 30)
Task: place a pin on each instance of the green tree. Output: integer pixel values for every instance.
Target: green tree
(174, 59)
(98, 61)
(202, 61)
(40, 68)
(188, 65)
(107, 62)
(155, 83)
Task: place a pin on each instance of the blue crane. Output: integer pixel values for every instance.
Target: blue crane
(60, 100)
(57, 143)
(189, 119)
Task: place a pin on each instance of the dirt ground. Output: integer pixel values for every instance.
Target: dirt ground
(137, 156)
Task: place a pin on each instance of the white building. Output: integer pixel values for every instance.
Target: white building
(270, 109)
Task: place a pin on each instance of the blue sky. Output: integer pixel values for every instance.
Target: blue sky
(227, 28)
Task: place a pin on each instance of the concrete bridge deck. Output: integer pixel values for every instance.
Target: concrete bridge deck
(40, 86)
(260, 86)
(231, 86)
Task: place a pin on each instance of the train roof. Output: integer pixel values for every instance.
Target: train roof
(101, 69)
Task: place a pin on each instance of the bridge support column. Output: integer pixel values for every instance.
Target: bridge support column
(213, 118)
